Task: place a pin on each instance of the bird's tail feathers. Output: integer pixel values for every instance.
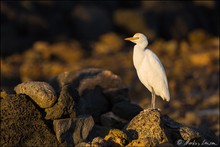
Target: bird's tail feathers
(166, 96)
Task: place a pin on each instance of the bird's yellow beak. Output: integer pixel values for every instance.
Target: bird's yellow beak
(132, 38)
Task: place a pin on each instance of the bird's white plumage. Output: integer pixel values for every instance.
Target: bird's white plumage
(149, 68)
(152, 74)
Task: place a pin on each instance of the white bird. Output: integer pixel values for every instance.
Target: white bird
(149, 69)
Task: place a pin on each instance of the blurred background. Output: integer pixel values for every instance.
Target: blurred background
(41, 39)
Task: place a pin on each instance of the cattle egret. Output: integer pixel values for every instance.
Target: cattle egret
(149, 69)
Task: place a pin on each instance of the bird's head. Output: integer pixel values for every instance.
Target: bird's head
(139, 39)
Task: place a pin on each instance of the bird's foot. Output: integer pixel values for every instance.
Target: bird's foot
(154, 109)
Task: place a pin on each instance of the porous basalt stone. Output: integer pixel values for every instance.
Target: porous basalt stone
(22, 123)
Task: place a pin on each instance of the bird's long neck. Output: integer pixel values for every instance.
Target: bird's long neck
(138, 55)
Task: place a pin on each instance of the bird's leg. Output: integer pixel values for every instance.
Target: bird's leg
(153, 99)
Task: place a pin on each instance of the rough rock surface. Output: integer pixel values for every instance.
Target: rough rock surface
(90, 78)
(93, 118)
(22, 123)
(126, 110)
(99, 90)
(3, 93)
(66, 105)
(147, 125)
(151, 128)
(73, 131)
(41, 92)
(116, 138)
(105, 79)
(73, 78)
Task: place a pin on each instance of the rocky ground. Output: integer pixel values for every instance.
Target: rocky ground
(88, 80)
(88, 108)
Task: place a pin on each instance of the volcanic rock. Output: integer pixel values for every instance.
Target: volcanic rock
(98, 131)
(116, 95)
(73, 78)
(66, 105)
(150, 128)
(73, 131)
(93, 102)
(22, 123)
(88, 79)
(126, 110)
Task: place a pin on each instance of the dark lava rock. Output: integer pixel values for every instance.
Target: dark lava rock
(22, 123)
(66, 104)
(93, 102)
(117, 95)
(126, 110)
(88, 79)
(73, 78)
(105, 79)
(98, 131)
(109, 119)
(73, 131)
(150, 128)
